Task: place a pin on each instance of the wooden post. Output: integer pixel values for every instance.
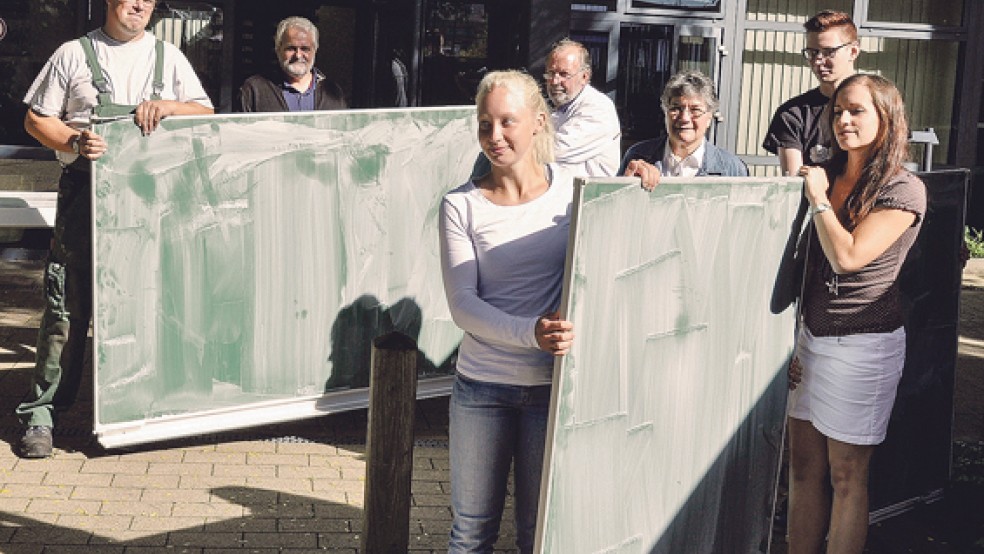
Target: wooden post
(389, 445)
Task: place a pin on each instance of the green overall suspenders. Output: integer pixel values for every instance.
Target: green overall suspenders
(106, 108)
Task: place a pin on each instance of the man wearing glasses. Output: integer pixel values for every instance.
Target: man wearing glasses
(799, 134)
(588, 132)
(118, 70)
(689, 103)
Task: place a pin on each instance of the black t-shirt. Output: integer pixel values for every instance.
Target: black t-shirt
(800, 124)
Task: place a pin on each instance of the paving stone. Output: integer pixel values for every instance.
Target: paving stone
(167, 523)
(209, 510)
(63, 507)
(245, 471)
(280, 540)
(58, 479)
(209, 538)
(95, 523)
(115, 467)
(145, 481)
(179, 468)
(144, 509)
(128, 538)
(241, 525)
(106, 493)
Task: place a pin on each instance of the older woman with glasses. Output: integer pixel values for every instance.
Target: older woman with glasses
(689, 103)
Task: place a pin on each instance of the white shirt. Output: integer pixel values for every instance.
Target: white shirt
(64, 87)
(503, 268)
(673, 166)
(588, 134)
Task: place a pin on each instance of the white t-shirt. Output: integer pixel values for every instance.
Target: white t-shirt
(503, 268)
(64, 87)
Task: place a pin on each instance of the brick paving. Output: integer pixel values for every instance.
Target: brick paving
(289, 487)
(294, 487)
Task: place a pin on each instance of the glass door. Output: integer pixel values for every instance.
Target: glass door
(648, 55)
(455, 51)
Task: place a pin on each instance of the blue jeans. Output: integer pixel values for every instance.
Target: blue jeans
(491, 427)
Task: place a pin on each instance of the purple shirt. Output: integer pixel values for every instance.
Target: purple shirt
(298, 101)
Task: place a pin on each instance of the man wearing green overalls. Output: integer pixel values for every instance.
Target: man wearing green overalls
(119, 70)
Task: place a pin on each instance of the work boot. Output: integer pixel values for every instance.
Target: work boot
(36, 442)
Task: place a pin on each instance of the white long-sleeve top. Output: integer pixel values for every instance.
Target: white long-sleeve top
(588, 134)
(503, 267)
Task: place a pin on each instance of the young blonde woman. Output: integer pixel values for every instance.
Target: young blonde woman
(866, 212)
(503, 242)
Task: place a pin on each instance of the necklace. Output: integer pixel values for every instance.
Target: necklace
(833, 286)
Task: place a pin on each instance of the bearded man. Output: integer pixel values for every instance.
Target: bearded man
(299, 86)
(588, 134)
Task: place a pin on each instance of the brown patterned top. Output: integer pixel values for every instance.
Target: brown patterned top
(867, 301)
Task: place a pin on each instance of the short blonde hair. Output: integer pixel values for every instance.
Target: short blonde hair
(526, 87)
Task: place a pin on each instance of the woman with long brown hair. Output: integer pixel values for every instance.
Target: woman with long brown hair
(866, 212)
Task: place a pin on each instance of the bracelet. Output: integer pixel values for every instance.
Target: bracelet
(820, 208)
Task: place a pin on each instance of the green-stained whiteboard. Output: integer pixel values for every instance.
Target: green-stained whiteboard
(244, 262)
(667, 417)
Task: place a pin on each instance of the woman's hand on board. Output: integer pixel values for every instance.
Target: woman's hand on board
(645, 170)
(554, 335)
(795, 373)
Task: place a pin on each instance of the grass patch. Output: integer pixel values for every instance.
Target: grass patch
(974, 239)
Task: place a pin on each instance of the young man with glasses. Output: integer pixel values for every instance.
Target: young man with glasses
(797, 133)
(689, 102)
(119, 70)
(588, 133)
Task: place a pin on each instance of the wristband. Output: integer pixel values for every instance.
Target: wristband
(820, 208)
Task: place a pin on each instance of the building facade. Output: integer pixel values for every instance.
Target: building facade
(437, 50)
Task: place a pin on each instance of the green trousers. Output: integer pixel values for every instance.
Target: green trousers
(68, 305)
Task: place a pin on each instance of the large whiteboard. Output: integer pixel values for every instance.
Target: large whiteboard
(244, 262)
(667, 414)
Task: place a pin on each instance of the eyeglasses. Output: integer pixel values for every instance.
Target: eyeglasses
(825, 53)
(564, 76)
(677, 111)
(143, 3)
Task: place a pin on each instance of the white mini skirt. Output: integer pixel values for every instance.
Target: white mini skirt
(849, 384)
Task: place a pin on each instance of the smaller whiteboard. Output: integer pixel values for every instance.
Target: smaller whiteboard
(667, 415)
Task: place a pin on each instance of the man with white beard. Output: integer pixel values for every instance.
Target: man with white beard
(588, 133)
(299, 86)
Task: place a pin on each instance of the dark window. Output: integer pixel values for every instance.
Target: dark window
(645, 63)
(707, 5)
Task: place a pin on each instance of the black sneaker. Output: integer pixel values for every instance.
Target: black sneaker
(36, 442)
